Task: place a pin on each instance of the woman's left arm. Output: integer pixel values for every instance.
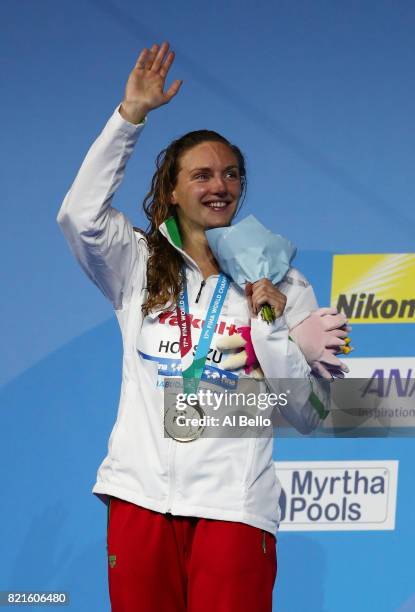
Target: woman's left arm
(279, 356)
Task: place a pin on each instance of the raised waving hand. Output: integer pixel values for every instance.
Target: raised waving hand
(146, 84)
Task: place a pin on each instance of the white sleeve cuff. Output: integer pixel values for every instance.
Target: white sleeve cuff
(117, 122)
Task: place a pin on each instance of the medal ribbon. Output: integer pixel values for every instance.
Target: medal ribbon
(192, 370)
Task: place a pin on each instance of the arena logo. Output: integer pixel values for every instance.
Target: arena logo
(384, 399)
(338, 495)
(375, 288)
(391, 382)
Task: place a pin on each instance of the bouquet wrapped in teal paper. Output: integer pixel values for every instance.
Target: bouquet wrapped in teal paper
(248, 251)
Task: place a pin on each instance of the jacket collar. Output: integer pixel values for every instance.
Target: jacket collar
(170, 230)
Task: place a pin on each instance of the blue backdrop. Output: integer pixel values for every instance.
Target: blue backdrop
(319, 95)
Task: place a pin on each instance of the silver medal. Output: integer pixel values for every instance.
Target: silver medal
(177, 425)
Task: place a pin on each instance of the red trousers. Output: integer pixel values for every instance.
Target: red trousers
(163, 563)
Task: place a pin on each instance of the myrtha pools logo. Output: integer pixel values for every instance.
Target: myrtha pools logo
(337, 495)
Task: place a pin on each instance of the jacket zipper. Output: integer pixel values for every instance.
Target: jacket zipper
(170, 463)
(202, 284)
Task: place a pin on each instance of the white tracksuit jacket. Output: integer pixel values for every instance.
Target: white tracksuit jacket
(218, 478)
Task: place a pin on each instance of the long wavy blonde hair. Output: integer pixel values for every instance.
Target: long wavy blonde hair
(164, 262)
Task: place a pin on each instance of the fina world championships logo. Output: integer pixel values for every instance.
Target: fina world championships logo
(337, 495)
(375, 288)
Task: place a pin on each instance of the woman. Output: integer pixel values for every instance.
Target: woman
(191, 526)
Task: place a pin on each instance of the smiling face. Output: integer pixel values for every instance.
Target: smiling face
(208, 187)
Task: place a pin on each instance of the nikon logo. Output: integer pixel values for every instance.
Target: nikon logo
(364, 306)
(375, 288)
